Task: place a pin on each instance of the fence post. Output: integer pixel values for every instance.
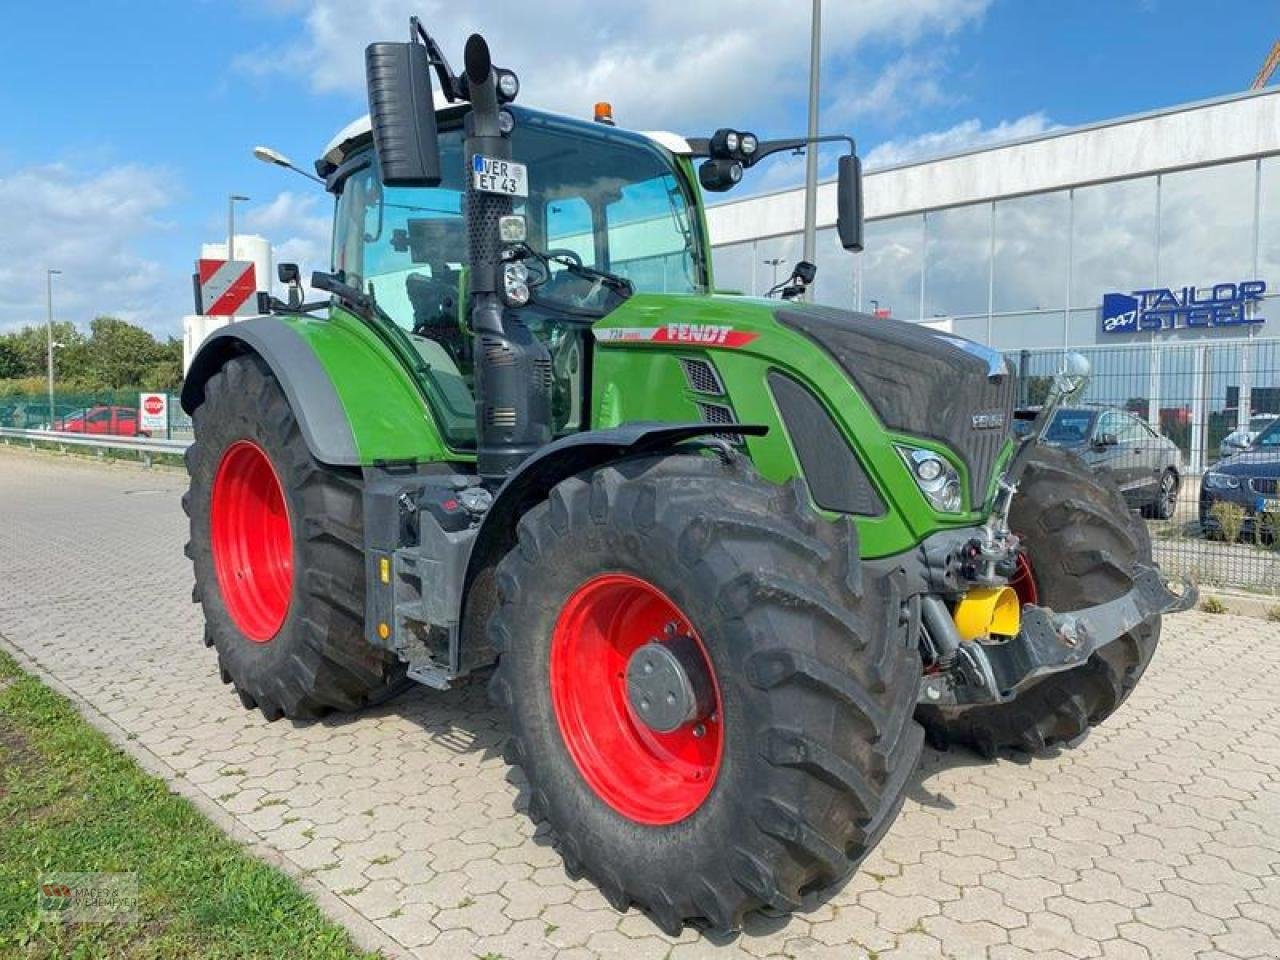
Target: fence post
(1197, 409)
(1244, 399)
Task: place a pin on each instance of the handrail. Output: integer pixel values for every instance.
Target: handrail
(147, 446)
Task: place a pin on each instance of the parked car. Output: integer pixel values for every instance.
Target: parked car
(1251, 479)
(116, 421)
(1146, 466)
(1238, 440)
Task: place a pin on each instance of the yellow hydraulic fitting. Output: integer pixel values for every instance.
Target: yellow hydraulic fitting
(988, 611)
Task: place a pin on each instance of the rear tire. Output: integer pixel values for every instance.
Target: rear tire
(814, 665)
(300, 653)
(1081, 541)
(1166, 501)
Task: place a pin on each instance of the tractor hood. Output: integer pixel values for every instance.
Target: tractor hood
(917, 382)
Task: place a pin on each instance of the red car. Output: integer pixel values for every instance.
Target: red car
(117, 421)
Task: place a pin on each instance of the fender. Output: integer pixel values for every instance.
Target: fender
(532, 481)
(355, 403)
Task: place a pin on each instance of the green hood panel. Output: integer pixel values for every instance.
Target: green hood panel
(637, 376)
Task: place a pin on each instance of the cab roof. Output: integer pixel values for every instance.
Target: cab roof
(358, 132)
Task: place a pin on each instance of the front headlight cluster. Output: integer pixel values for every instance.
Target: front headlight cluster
(936, 477)
(1221, 481)
(515, 283)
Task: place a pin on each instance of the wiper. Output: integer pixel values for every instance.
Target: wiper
(618, 284)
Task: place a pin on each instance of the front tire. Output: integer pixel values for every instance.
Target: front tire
(808, 741)
(277, 543)
(1081, 541)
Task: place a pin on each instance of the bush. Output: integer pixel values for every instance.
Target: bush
(1274, 614)
(1230, 519)
(1213, 605)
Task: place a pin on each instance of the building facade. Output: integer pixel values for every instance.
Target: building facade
(1152, 242)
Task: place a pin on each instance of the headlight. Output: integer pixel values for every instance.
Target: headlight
(515, 284)
(749, 144)
(1221, 481)
(508, 85)
(936, 477)
(732, 141)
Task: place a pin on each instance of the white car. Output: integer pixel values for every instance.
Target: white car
(1238, 440)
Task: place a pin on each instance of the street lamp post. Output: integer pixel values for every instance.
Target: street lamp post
(48, 284)
(811, 154)
(231, 224)
(774, 262)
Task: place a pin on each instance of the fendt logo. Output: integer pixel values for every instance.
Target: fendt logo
(1161, 308)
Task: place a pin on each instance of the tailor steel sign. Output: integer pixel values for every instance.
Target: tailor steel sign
(1161, 309)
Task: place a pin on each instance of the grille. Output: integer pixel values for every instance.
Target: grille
(542, 374)
(497, 352)
(719, 413)
(500, 416)
(1267, 486)
(701, 376)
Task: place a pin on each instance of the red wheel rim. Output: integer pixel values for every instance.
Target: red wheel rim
(1024, 582)
(649, 777)
(252, 541)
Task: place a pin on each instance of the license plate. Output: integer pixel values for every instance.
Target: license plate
(491, 175)
(1269, 506)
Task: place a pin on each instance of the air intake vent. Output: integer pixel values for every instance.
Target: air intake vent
(497, 352)
(835, 476)
(719, 413)
(702, 376)
(500, 416)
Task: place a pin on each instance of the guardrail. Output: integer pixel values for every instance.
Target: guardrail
(147, 447)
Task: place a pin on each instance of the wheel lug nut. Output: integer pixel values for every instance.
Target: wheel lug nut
(699, 731)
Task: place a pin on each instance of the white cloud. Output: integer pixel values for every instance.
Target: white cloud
(962, 136)
(88, 225)
(662, 63)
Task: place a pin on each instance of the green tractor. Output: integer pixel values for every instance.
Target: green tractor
(729, 560)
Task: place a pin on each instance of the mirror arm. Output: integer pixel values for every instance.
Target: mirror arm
(701, 146)
(450, 83)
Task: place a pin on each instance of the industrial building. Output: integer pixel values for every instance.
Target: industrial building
(1153, 241)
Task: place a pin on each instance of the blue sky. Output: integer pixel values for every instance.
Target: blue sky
(130, 122)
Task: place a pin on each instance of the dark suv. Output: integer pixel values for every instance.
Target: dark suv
(1251, 479)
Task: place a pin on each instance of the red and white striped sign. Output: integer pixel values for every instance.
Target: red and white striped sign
(228, 288)
(699, 334)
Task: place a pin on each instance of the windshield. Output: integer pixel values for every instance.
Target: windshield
(605, 198)
(1269, 437)
(1258, 424)
(1070, 426)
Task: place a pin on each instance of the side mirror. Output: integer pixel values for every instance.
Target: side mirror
(804, 273)
(1106, 440)
(402, 114)
(289, 275)
(849, 202)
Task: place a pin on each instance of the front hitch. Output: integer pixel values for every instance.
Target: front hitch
(1049, 642)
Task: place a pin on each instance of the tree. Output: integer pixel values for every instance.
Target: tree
(10, 359)
(120, 354)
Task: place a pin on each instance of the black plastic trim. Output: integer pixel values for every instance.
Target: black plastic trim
(836, 478)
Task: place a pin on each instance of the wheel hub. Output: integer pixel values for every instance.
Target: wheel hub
(668, 685)
(654, 765)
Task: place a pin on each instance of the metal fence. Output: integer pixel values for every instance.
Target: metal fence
(99, 413)
(1204, 402)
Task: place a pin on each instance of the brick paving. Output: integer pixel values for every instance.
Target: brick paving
(1158, 836)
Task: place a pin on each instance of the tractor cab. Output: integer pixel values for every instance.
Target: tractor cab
(608, 213)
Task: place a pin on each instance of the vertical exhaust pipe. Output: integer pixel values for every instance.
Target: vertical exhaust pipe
(513, 368)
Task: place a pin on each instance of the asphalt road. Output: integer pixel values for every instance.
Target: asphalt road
(1158, 836)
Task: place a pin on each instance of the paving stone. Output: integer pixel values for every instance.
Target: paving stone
(1155, 837)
